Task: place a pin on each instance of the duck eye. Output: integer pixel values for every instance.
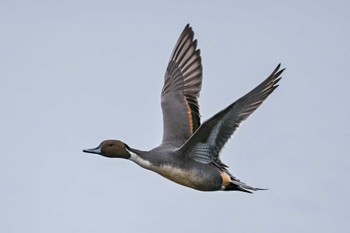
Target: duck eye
(110, 145)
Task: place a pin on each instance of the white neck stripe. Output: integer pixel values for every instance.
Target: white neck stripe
(137, 159)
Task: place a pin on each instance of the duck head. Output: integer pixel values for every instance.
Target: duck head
(111, 149)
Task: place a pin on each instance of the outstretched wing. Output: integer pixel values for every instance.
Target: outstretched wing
(182, 84)
(213, 134)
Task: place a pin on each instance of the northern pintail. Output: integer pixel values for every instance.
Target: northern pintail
(189, 153)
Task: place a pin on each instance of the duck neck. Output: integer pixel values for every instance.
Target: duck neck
(137, 156)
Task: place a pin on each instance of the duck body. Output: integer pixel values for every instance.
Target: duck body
(189, 153)
(171, 164)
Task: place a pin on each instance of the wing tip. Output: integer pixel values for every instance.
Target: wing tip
(275, 76)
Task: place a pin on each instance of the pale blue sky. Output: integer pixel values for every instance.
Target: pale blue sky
(73, 73)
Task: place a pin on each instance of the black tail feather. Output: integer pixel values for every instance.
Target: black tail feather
(240, 186)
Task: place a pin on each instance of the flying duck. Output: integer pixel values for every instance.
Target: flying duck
(189, 153)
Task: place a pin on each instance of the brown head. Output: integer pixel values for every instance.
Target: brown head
(111, 149)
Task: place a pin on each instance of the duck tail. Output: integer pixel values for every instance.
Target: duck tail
(237, 185)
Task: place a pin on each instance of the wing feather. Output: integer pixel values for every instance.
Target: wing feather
(182, 84)
(216, 131)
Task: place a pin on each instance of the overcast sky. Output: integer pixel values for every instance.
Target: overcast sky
(73, 73)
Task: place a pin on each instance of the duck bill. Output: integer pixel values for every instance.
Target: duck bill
(96, 150)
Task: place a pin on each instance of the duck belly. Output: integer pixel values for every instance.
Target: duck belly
(199, 179)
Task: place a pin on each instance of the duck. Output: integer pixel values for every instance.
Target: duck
(189, 153)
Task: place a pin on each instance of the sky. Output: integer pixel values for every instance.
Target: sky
(73, 73)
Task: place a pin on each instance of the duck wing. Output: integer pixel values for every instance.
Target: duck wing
(206, 143)
(182, 84)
